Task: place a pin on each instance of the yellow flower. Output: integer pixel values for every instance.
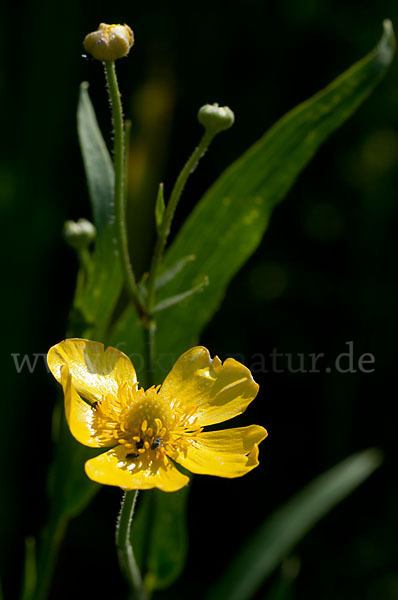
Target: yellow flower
(147, 430)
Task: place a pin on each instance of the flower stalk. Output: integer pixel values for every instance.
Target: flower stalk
(124, 548)
(175, 196)
(120, 184)
(125, 551)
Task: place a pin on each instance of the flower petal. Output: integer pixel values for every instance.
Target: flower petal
(220, 391)
(113, 468)
(95, 372)
(226, 453)
(80, 415)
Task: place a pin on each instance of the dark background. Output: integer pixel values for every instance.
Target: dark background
(323, 276)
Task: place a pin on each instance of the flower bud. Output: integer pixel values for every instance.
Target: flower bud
(215, 118)
(79, 234)
(109, 42)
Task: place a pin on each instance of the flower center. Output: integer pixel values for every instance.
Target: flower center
(143, 422)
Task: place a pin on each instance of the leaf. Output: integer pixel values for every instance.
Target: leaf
(159, 536)
(228, 223)
(172, 271)
(159, 208)
(69, 487)
(276, 537)
(105, 283)
(30, 570)
(167, 302)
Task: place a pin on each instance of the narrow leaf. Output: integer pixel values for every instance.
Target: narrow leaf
(171, 272)
(288, 525)
(160, 207)
(104, 286)
(30, 570)
(180, 297)
(229, 222)
(69, 487)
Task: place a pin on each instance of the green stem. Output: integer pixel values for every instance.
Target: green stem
(120, 183)
(126, 556)
(150, 349)
(169, 214)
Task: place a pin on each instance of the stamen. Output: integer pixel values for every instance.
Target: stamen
(159, 425)
(137, 438)
(149, 432)
(141, 450)
(144, 425)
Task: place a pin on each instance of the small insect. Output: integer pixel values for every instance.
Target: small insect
(139, 445)
(156, 443)
(132, 455)
(95, 405)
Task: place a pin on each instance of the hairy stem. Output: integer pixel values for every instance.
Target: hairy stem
(120, 184)
(124, 548)
(169, 214)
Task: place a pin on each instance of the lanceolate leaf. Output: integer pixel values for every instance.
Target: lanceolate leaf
(69, 486)
(277, 536)
(167, 302)
(104, 286)
(172, 271)
(228, 223)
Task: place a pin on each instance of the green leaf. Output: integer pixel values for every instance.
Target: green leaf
(69, 487)
(278, 535)
(159, 208)
(104, 286)
(159, 536)
(30, 570)
(167, 302)
(229, 222)
(172, 271)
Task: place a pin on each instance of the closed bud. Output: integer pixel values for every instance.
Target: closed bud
(215, 118)
(109, 42)
(79, 234)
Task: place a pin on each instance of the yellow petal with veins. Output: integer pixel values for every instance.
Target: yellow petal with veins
(79, 414)
(95, 373)
(219, 390)
(115, 468)
(226, 453)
